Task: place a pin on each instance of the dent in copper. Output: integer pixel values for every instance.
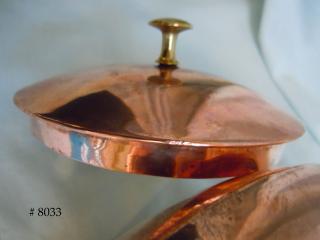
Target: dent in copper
(283, 204)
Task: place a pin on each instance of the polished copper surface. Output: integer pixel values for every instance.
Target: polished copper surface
(144, 104)
(153, 158)
(281, 204)
(157, 120)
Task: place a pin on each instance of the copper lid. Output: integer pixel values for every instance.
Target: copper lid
(151, 110)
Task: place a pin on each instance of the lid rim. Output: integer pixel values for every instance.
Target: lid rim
(169, 142)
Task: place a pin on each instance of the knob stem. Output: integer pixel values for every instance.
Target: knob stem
(170, 28)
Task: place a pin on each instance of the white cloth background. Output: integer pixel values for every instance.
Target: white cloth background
(270, 46)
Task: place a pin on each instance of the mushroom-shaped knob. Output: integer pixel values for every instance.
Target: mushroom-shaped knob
(170, 28)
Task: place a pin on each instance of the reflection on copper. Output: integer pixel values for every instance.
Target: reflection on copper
(160, 121)
(202, 110)
(152, 158)
(281, 204)
(101, 112)
(237, 165)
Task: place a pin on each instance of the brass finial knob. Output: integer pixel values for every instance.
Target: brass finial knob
(170, 28)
